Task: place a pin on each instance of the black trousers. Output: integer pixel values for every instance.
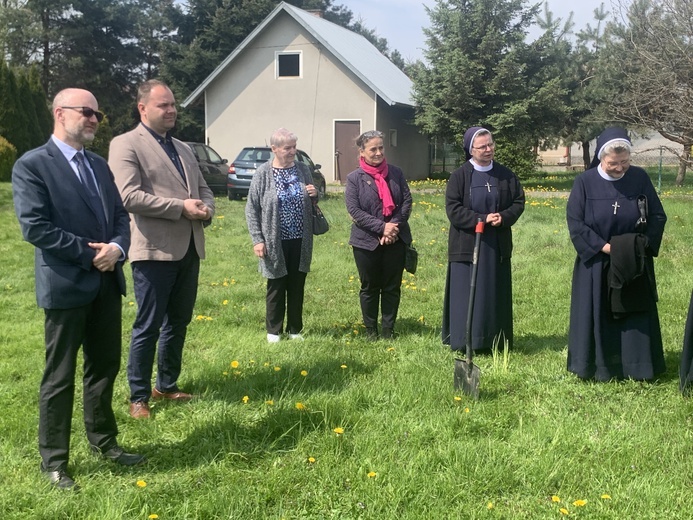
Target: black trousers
(97, 328)
(380, 272)
(285, 294)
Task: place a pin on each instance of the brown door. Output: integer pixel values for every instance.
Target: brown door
(346, 156)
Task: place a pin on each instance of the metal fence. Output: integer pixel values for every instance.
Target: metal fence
(446, 157)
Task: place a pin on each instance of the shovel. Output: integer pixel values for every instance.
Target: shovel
(467, 374)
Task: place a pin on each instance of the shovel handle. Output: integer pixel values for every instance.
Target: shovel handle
(479, 229)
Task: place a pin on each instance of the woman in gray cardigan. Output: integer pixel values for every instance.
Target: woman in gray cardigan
(379, 202)
(280, 222)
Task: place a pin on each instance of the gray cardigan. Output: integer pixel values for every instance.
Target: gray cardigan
(262, 216)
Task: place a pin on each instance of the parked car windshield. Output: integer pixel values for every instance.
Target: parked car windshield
(213, 156)
(254, 155)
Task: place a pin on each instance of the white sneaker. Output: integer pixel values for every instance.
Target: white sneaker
(273, 338)
(297, 337)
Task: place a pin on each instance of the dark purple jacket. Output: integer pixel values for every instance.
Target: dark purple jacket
(366, 209)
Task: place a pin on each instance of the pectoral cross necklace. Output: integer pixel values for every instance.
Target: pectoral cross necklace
(615, 205)
(488, 186)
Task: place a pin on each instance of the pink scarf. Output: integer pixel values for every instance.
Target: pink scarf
(379, 174)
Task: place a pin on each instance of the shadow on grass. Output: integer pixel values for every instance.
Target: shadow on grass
(532, 344)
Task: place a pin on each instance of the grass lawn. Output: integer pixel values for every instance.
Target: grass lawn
(261, 440)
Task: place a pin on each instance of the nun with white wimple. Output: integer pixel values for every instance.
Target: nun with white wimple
(480, 189)
(616, 222)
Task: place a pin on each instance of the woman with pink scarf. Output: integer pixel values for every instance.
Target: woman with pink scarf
(379, 202)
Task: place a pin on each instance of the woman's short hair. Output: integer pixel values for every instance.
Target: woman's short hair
(281, 136)
(367, 136)
(615, 146)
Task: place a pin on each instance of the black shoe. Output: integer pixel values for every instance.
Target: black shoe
(388, 333)
(371, 333)
(60, 478)
(119, 456)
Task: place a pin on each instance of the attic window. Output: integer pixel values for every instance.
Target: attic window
(288, 65)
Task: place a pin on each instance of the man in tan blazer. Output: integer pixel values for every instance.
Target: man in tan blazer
(162, 187)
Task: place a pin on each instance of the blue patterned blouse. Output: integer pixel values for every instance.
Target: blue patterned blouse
(290, 195)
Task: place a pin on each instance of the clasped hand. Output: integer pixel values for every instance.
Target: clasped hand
(107, 255)
(195, 209)
(390, 234)
(494, 219)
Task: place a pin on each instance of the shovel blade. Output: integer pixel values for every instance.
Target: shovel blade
(467, 376)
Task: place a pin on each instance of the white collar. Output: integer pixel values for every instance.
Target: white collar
(606, 176)
(480, 168)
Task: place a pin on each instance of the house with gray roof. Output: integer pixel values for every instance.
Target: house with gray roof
(323, 82)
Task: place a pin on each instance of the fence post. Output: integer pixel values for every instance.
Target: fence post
(659, 179)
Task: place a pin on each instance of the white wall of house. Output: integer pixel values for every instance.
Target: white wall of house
(246, 102)
(404, 145)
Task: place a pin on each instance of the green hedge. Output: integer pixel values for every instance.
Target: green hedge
(8, 155)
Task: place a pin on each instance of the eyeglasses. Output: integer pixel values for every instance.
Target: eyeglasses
(88, 112)
(490, 146)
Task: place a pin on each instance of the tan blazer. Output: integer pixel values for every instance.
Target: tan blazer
(153, 192)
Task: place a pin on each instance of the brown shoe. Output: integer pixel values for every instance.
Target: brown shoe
(139, 410)
(173, 396)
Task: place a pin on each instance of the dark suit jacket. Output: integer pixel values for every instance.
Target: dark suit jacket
(56, 217)
(366, 209)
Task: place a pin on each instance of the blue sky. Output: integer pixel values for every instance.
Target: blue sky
(401, 21)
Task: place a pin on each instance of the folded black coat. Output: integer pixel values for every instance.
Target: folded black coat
(630, 276)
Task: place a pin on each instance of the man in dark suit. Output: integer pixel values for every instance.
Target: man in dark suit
(69, 208)
(162, 187)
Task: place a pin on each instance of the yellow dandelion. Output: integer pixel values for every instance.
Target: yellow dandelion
(265, 364)
(225, 302)
(269, 402)
(580, 503)
(606, 497)
(564, 511)
(277, 369)
(234, 364)
(141, 483)
(466, 410)
(421, 319)
(356, 331)
(245, 399)
(555, 498)
(371, 474)
(311, 460)
(304, 373)
(220, 217)
(153, 516)
(458, 398)
(225, 283)
(489, 505)
(338, 430)
(391, 349)
(131, 304)
(343, 367)
(300, 406)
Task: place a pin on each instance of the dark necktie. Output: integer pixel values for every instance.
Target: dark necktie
(88, 182)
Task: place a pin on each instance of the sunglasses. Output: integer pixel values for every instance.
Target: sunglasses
(88, 112)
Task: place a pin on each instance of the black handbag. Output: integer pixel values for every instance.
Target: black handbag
(320, 224)
(411, 259)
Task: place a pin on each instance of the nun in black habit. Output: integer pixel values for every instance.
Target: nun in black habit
(614, 333)
(480, 188)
